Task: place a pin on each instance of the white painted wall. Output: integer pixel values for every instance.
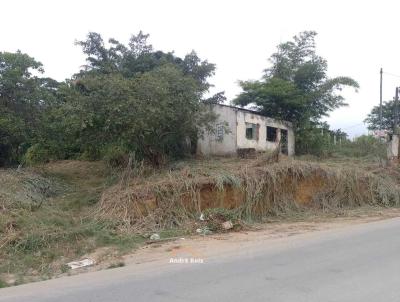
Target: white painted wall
(210, 145)
(236, 120)
(261, 144)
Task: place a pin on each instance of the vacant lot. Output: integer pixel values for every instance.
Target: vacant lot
(62, 211)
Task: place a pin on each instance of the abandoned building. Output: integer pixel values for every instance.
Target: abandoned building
(238, 128)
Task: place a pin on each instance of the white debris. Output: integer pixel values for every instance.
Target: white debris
(201, 217)
(81, 263)
(227, 225)
(155, 237)
(204, 231)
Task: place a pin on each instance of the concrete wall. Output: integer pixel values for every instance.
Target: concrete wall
(211, 143)
(235, 119)
(261, 144)
(393, 147)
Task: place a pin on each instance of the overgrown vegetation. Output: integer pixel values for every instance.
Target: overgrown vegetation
(362, 146)
(373, 119)
(59, 212)
(22, 95)
(296, 88)
(46, 219)
(324, 143)
(256, 191)
(127, 99)
(135, 99)
(135, 107)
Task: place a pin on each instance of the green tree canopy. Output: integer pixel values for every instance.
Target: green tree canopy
(127, 98)
(131, 98)
(139, 57)
(296, 87)
(23, 97)
(373, 120)
(152, 114)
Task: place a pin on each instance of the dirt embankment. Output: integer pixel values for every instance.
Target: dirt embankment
(67, 210)
(250, 190)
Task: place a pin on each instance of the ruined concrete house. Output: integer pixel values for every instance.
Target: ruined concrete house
(246, 129)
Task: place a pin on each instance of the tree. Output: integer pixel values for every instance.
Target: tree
(133, 99)
(296, 87)
(23, 97)
(153, 115)
(373, 119)
(127, 99)
(139, 57)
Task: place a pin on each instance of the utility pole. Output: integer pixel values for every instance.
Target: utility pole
(380, 103)
(396, 111)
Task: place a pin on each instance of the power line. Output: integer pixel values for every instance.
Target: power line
(391, 74)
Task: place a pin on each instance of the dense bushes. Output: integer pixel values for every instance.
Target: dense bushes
(322, 144)
(22, 97)
(314, 141)
(128, 99)
(363, 146)
(115, 156)
(37, 153)
(153, 115)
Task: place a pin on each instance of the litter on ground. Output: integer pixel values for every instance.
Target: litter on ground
(155, 237)
(82, 263)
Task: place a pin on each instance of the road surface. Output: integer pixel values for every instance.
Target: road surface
(356, 263)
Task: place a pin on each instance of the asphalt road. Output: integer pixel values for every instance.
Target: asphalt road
(357, 263)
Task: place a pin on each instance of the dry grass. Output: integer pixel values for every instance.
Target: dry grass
(24, 189)
(61, 211)
(46, 219)
(251, 189)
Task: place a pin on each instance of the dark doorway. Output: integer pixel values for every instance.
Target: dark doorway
(272, 134)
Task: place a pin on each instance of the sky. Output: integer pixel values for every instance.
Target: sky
(356, 37)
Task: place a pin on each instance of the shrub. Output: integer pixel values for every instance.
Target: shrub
(89, 155)
(37, 154)
(115, 156)
(363, 146)
(312, 141)
(3, 284)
